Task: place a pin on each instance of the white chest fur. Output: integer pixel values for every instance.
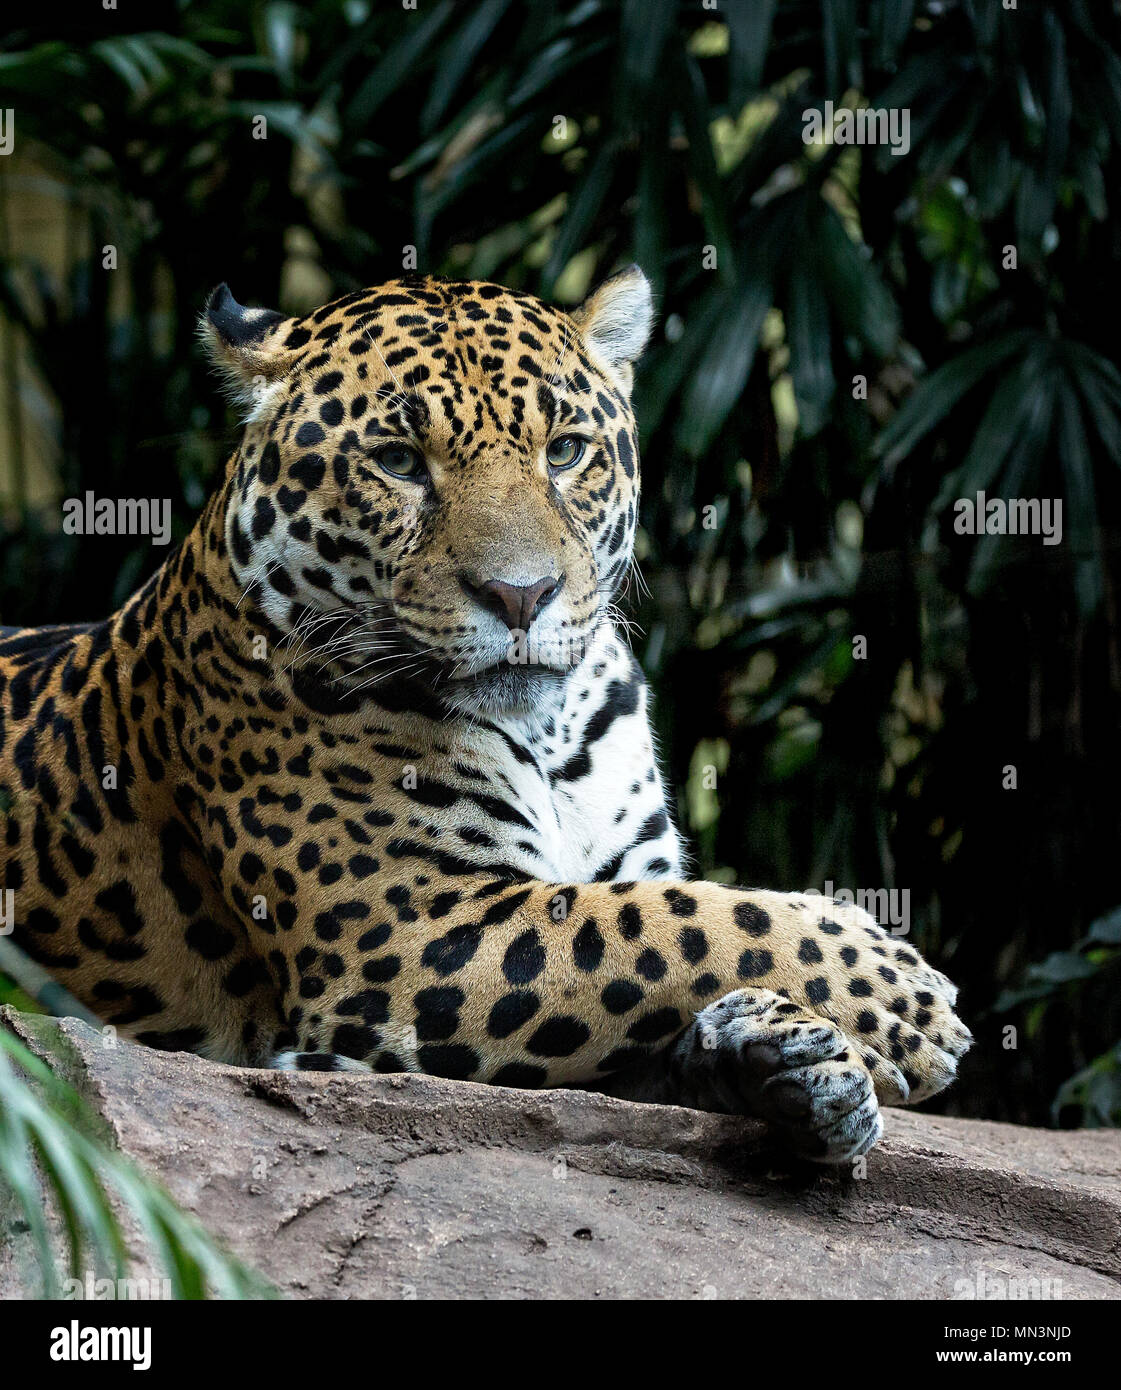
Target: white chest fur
(584, 775)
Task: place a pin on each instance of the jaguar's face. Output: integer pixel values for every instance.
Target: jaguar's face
(438, 480)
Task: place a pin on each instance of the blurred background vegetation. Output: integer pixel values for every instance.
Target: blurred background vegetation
(543, 144)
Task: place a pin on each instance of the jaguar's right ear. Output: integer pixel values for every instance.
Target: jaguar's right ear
(247, 346)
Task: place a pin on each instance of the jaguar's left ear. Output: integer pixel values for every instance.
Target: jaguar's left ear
(615, 323)
(246, 345)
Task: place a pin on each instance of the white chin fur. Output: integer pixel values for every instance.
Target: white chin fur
(520, 690)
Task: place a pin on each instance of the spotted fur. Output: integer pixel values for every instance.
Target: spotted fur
(363, 778)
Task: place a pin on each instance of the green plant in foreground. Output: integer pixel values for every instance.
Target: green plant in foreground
(47, 1128)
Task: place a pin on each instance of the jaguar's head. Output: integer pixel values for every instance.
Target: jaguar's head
(438, 481)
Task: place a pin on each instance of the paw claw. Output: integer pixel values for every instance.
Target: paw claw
(794, 1069)
(878, 990)
(854, 1135)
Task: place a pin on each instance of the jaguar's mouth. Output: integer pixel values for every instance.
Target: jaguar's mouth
(501, 688)
(503, 669)
(516, 678)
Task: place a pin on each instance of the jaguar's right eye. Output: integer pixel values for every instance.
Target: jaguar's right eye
(402, 460)
(565, 451)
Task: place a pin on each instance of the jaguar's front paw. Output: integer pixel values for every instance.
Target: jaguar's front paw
(755, 1053)
(897, 1010)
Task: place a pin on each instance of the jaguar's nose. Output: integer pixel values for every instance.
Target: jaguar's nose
(516, 604)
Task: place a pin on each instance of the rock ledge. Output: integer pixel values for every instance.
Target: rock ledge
(345, 1186)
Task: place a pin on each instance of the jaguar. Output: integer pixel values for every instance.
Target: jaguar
(362, 778)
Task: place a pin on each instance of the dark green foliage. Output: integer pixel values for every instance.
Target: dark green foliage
(784, 273)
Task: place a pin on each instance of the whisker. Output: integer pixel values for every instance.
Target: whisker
(403, 394)
(257, 575)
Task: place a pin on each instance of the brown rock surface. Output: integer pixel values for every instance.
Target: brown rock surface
(345, 1186)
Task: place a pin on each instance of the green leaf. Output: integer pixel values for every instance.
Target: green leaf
(785, 689)
(50, 1122)
(994, 172)
(1107, 929)
(1081, 525)
(460, 53)
(999, 428)
(937, 394)
(651, 222)
(552, 65)
(644, 30)
(1025, 462)
(749, 37)
(724, 367)
(1059, 101)
(890, 23)
(862, 304)
(667, 367)
(581, 215)
(118, 54)
(463, 176)
(842, 48)
(398, 63)
(1096, 382)
(281, 27)
(697, 119)
(17, 1167)
(811, 366)
(1096, 1090)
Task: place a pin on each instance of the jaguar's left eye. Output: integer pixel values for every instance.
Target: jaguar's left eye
(565, 450)
(400, 459)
